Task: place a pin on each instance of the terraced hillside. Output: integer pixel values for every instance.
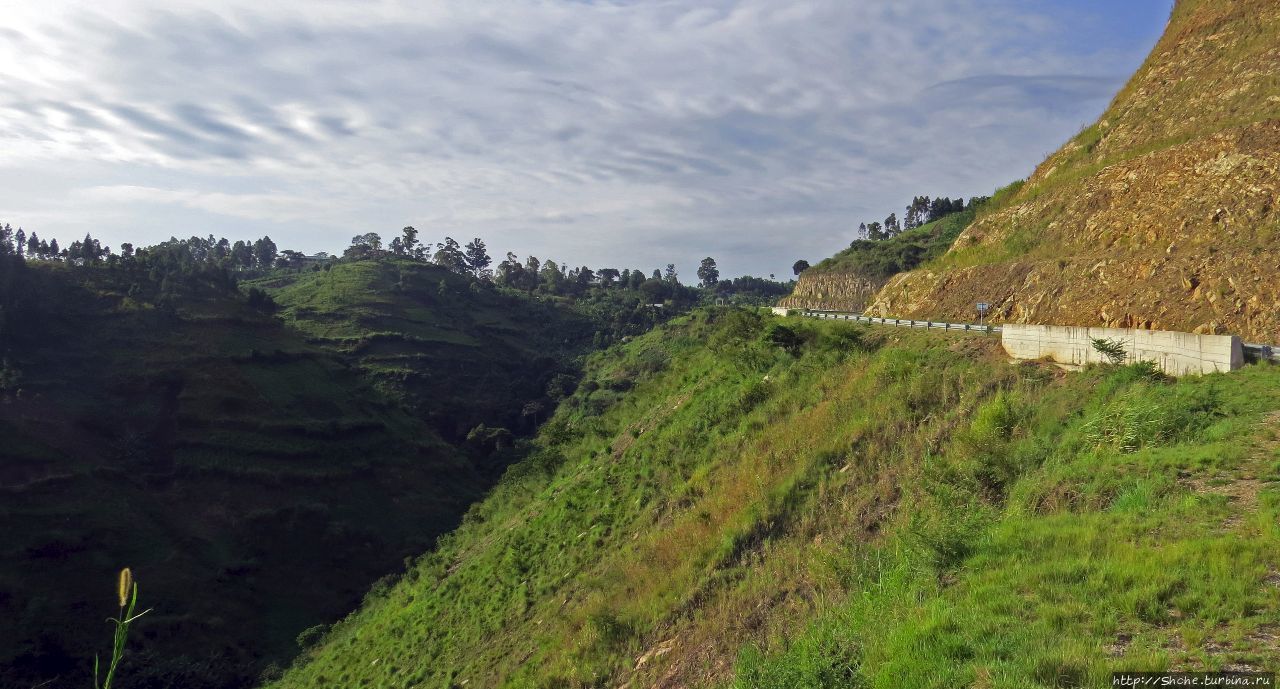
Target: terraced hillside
(1164, 214)
(452, 353)
(734, 500)
(258, 483)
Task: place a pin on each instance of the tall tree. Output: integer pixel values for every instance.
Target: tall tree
(20, 242)
(891, 226)
(477, 258)
(670, 275)
(449, 255)
(551, 278)
(264, 252)
(509, 271)
(33, 246)
(800, 266)
(242, 254)
(409, 240)
(708, 274)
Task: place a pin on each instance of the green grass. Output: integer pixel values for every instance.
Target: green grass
(884, 508)
(880, 260)
(1097, 560)
(454, 353)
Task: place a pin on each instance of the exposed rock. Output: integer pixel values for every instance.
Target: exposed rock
(832, 290)
(1186, 169)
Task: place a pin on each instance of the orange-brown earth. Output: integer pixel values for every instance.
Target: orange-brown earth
(1162, 215)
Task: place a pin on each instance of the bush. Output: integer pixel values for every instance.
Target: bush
(312, 635)
(784, 338)
(1114, 350)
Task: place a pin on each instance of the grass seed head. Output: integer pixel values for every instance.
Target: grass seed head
(125, 585)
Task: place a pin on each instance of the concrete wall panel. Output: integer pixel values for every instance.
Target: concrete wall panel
(1177, 354)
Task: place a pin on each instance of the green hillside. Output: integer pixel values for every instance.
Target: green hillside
(454, 353)
(850, 280)
(256, 481)
(880, 260)
(735, 501)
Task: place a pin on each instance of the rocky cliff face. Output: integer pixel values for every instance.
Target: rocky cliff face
(836, 291)
(1165, 214)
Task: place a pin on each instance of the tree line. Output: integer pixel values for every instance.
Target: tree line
(535, 276)
(162, 271)
(922, 211)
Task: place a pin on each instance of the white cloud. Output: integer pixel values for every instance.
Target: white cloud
(609, 132)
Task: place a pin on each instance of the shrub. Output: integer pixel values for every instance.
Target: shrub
(784, 338)
(312, 635)
(1113, 349)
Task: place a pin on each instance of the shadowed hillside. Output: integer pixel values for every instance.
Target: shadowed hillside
(258, 478)
(454, 352)
(1161, 215)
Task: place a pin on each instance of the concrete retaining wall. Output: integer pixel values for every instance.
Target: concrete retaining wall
(1177, 354)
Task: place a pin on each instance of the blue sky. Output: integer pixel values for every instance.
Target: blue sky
(621, 133)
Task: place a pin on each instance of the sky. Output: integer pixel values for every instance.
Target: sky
(608, 133)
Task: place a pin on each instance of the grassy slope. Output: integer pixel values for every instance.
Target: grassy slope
(885, 508)
(456, 355)
(255, 482)
(881, 260)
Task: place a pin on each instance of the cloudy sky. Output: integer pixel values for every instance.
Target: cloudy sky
(627, 133)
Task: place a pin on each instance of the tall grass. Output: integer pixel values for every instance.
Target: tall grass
(849, 507)
(127, 594)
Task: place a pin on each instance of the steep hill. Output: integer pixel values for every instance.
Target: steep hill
(1164, 214)
(253, 474)
(736, 500)
(454, 354)
(850, 280)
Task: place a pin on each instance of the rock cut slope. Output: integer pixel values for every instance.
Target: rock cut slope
(1161, 215)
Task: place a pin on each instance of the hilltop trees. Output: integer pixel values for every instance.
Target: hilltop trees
(628, 298)
(264, 251)
(891, 226)
(477, 258)
(449, 255)
(708, 274)
(367, 245)
(409, 242)
(922, 210)
(799, 266)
